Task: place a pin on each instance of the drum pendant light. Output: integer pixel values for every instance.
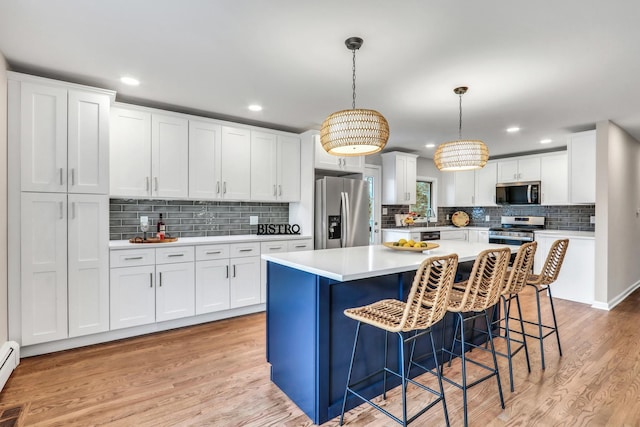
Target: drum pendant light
(462, 154)
(354, 132)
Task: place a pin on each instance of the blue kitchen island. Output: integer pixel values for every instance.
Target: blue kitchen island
(309, 340)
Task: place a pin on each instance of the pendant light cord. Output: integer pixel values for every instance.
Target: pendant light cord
(460, 122)
(353, 86)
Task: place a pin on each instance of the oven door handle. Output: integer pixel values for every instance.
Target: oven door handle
(519, 239)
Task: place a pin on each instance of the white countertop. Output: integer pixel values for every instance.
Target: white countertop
(567, 233)
(360, 262)
(433, 228)
(191, 241)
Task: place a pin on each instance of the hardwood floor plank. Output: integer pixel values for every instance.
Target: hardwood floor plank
(216, 374)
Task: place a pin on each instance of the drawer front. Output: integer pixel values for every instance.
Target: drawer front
(132, 257)
(300, 245)
(173, 255)
(207, 252)
(273, 247)
(244, 249)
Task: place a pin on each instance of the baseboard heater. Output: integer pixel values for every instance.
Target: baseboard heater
(9, 359)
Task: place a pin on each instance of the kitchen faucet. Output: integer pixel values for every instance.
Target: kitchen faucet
(429, 214)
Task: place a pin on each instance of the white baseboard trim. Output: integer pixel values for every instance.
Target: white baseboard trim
(618, 299)
(66, 344)
(9, 360)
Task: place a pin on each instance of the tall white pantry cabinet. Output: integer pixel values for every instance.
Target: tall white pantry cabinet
(59, 209)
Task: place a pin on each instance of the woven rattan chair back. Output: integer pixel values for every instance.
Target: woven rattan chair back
(429, 295)
(552, 264)
(521, 269)
(486, 282)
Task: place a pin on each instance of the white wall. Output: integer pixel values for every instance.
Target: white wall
(3, 201)
(426, 167)
(617, 215)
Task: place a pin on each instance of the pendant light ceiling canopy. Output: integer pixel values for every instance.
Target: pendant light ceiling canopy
(354, 132)
(462, 154)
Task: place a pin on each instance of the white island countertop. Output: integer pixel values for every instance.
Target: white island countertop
(360, 262)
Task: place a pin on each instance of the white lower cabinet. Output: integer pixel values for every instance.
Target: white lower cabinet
(64, 270)
(245, 274)
(479, 236)
(212, 278)
(151, 285)
(175, 291)
(454, 235)
(133, 296)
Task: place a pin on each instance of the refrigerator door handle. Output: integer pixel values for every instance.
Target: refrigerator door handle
(343, 218)
(347, 221)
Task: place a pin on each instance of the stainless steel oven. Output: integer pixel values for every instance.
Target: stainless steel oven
(516, 230)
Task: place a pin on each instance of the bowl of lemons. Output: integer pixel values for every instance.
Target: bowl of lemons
(410, 245)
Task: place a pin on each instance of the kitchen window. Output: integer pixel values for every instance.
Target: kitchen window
(426, 188)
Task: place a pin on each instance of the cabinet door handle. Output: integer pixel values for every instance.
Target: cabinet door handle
(146, 187)
(155, 181)
(131, 258)
(73, 210)
(274, 190)
(339, 161)
(224, 187)
(61, 210)
(174, 255)
(234, 270)
(161, 279)
(73, 176)
(217, 187)
(304, 246)
(150, 279)
(227, 271)
(61, 178)
(245, 250)
(279, 190)
(275, 248)
(212, 252)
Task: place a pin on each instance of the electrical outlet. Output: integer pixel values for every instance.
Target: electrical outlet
(487, 218)
(385, 211)
(253, 220)
(447, 217)
(592, 219)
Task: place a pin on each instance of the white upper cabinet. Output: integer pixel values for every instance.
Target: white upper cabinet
(486, 179)
(130, 149)
(517, 170)
(554, 179)
(275, 167)
(88, 147)
(458, 188)
(64, 139)
(582, 167)
(399, 171)
(236, 167)
(326, 161)
(169, 156)
(205, 164)
(149, 154)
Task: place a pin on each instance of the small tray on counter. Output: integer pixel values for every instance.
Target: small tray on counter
(153, 240)
(411, 249)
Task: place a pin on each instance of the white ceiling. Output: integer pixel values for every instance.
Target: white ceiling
(551, 67)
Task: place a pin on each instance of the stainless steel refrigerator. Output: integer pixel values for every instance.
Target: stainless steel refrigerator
(341, 213)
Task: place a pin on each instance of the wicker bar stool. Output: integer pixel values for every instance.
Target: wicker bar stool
(470, 300)
(514, 283)
(541, 283)
(425, 306)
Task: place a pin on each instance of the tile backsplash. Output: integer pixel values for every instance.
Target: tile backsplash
(570, 217)
(192, 218)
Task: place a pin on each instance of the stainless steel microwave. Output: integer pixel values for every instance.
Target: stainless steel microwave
(518, 193)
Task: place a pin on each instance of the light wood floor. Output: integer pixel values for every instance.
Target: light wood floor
(216, 375)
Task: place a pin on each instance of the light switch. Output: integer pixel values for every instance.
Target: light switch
(253, 220)
(487, 218)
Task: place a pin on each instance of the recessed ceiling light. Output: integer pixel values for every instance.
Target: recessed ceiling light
(513, 129)
(130, 81)
(545, 141)
(430, 145)
(255, 107)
